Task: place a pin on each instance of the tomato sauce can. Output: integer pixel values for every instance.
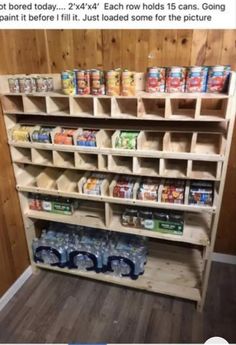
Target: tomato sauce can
(155, 79)
(218, 79)
(97, 82)
(50, 84)
(83, 82)
(196, 79)
(128, 83)
(176, 77)
(113, 82)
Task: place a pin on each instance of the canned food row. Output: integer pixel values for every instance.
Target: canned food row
(30, 84)
(97, 82)
(188, 79)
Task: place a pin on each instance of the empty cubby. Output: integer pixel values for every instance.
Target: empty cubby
(210, 143)
(64, 159)
(82, 106)
(11, 104)
(47, 178)
(34, 104)
(146, 166)
(177, 142)
(174, 168)
(150, 141)
(214, 107)
(86, 161)
(120, 164)
(26, 175)
(20, 154)
(68, 181)
(204, 170)
(152, 108)
(181, 107)
(126, 107)
(103, 107)
(42, 156)
(58, 105)
(92, 213)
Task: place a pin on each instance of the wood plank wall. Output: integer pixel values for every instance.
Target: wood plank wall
(50, 51)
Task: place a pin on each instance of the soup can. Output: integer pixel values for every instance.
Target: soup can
(68, 84)
(83, 82)
(218, 79)
(128, 83)
(41, 84)
(14, 86)
(113, 82)
(33, 84)
(175, 81)
(196, 79)
(97, 82)
(25, 85)
(155, 79)
(50, 84)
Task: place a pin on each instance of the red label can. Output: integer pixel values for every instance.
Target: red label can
(175, 81)
(97, 83)
(155, 79)
(218, 79)
(83, 82)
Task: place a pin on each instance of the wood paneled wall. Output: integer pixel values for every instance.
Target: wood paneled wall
(50, 51)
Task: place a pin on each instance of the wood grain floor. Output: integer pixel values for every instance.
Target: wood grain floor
(52, 307)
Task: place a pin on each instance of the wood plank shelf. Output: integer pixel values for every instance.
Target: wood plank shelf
(169, 270)
(186, 136)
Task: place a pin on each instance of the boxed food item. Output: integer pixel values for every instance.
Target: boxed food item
(52, 204)
(124, 187)
(173, 191)
(201, 193)
(87, 138)
(148, 190)
(64, 137)
(93, 184)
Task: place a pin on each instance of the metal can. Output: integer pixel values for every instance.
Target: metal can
(128, 83)
(83, 82)
(97, 82)
(175, 81)
(14, 86)
(33, 84)
(155, 79)
(41, 84)
(50, 84)
(25, 85)
(113, 83)
(68, 83)
(196, 79)
(218, 79)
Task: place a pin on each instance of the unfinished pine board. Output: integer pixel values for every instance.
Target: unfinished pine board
(152, 108)
(183, 108)
(169, 270)
(64, 159)
(82, 106)
(58, 105)
(209, 143)
(68, 181)
(86, 161)
(177, 142)
(205, 170)
(21, 154)
(34, 105)
(42, 157)
(102, 107)
(12, 104)
(47, 178)
(150, 141)
(124, 107)
(120, 164)
(146, 166)
(216, 108)
(174, 168)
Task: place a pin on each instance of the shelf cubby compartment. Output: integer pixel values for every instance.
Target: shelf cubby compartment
(114, 136)
(12, 104)
(102, 162)
(152, 108)
(47, 178)
(86, 161)
(34, 104)
(26, 176)
(104, 185)
(174, 168)
(68, 181)
(20, 154)
(42, 157)
(182, 108)
(82, 106)
(102, 107)
(92, 213)
(209, 143)
(124, 107)
(120, 164)
(177, 142)
(146, 166)
(206, 170)
(58, 105)
(64, 159)
(214, 108)
(150, 141)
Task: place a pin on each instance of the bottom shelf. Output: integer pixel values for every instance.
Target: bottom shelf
(170, 270)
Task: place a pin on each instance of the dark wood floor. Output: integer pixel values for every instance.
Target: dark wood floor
(52, 307)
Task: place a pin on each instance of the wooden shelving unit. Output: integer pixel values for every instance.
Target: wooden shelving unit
(188, 138)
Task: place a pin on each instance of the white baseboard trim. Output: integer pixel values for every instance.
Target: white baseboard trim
(15, 287)
(225, 258)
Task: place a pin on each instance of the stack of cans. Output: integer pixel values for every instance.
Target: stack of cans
(30, 84)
